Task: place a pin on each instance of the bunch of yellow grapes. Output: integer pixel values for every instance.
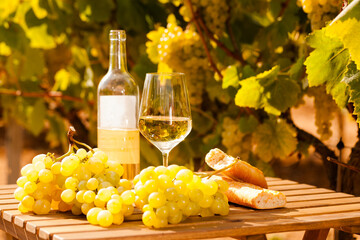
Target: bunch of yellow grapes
(171, 194)
(320, 12)
(88, 183)
(181, 51)
(236, 142)
(325, 110)
(83, 182)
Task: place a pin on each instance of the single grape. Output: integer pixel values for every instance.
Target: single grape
(89, 196)
(99, 203)
(160, 170)
(223, 185)
(104, 194)
(64, 207)
(101, 156)
(175, 218)
(206, 201)
(104, 184)
(114, 205)
(174, 169)
(127, 210)
(208, 186)
(26, 169)
(28, 202)
(22, 208)
(206, 212)
(92, 184)
(76, 210)
(68, 195)
(148, 218)
(85, 207)
(41, 206)
(38, 158)
(196, 195)
(160, 222)
(162, 212)
(182, 201)
(172, 208)
(128, 197)
(105, 218)
(30, 187)
(92, 214)
(81, 153)
(156, 199)
(170, 193)
(21, 181)
(118, 218)
(191, 209)
(48, 162)
(82, 185)
(165, 181)
(120, 189)
(32, 175)
(55, 168)
(112, 177)
(45, 176)
(141, 191)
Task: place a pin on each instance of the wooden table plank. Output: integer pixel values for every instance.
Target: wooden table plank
(236, 228)
(308, 208)
(47, 232)
(291, 187)
(317, 197)
(299, 192)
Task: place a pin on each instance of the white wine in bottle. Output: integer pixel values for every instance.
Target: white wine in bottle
(118, 107)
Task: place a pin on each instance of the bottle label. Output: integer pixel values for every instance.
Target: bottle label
(121, 145)
(117, 111)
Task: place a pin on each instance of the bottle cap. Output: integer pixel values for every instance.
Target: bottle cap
(117, 35)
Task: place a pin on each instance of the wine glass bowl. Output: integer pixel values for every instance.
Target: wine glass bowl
(165, 115)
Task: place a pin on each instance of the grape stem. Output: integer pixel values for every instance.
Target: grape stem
(71, 149)
(72, 141)
(212, 63)
(209, 174)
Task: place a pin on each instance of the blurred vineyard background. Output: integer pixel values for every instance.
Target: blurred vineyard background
(256, 91)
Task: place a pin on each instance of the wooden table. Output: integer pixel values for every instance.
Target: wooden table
(315, 210)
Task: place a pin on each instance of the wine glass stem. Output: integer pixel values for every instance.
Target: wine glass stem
(165, 156)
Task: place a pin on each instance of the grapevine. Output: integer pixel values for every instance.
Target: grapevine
(320, 12)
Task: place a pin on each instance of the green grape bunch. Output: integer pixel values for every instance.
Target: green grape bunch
(236, 142)
(89, 183)
(181, 51)
(80, 181)
(320, 12)
(169, 195)
(325, 110)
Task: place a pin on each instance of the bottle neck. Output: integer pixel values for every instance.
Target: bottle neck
(118, 55)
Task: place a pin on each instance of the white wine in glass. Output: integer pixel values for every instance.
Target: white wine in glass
(165, 115)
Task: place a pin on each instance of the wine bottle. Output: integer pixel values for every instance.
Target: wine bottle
(118, 106)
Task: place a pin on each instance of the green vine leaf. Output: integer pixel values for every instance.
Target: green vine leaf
(326, 64)
(94, 10)
(274, 139)
(348, 32)
(269, 91)
(231, 77)
(352, 78)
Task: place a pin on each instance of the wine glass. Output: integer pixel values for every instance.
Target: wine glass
(165, 115)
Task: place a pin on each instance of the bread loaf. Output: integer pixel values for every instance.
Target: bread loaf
(243, 171)
(253, 196)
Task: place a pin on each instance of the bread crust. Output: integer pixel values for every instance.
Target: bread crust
(253, 196)
(243, 171)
